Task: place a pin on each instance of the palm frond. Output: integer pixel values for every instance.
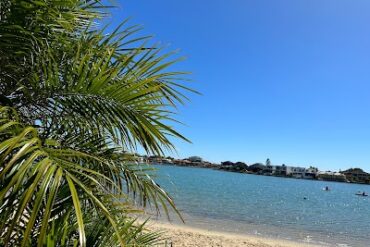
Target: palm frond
(40, 181)
(75, 101)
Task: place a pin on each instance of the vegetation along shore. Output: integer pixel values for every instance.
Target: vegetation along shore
(351, 175)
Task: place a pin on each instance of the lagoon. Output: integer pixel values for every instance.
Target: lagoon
(293, 209)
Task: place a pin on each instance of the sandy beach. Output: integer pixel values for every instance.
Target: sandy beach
(182, 235)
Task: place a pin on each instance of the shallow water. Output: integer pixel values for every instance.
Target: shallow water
(270, 206)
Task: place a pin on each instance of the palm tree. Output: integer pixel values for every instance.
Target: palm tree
(75, 102)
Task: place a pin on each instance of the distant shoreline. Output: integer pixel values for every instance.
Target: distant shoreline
(219, 168)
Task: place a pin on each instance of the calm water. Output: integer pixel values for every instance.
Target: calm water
(270, 206)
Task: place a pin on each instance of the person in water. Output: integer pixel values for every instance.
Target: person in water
(361, 193)
(327, 188)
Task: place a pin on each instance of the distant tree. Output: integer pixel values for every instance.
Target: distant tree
(355, 170)
(195, 159)
(227, 163)
(268, 162)
(230, 166)
(314, 168)
(241, 165)
(257, 167)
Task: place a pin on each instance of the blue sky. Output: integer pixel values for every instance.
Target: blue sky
(287, 80)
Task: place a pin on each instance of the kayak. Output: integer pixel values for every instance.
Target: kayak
(360, 194)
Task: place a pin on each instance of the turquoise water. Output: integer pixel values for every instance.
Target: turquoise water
(270, 206)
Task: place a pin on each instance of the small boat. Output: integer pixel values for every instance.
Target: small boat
(361, 194)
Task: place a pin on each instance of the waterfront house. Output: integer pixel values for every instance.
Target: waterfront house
(155, 159)
(181, 162)
(331, 176)
(167, 161)
(280, 170)
(310, 173)
(295, 172)
(269, 170)
(291, 171)
(357, 175)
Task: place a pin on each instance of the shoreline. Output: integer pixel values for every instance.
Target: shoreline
(177, 235)
(255, 174)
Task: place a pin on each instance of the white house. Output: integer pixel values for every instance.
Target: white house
(296, 172)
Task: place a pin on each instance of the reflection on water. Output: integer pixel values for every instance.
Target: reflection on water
(269, 206)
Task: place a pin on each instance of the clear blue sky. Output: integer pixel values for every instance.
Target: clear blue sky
(287, 80)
